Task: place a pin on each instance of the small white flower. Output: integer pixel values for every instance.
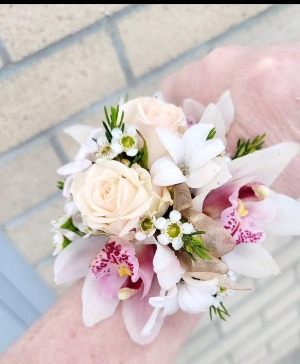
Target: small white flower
(125, 141)
(105, 150)
(172, 230)
(57, 224)
(58, 240)
(146, 227)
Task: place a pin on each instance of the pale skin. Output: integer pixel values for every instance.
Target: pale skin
(265, 88)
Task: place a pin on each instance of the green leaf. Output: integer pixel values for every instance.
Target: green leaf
(248, 146)
(107, 132)
(220, 312)
(194, 247)
(66, 242)
(144, 158)
(60, 185)
(211, 134)
(68, 225)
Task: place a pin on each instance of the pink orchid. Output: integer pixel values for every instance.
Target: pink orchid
(115, 271)
(249, 210)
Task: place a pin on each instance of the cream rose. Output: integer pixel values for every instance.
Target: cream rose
(111, 196)
(147, 113)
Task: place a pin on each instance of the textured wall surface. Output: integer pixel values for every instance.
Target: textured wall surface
(59, 65)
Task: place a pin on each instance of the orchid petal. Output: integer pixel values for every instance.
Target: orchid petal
(225, 105)
(196, 296)
(218, 180)
(286, 220)
(97, 306)
(209, 150)
(251, 260)
(212, 115)
(172, 143)
(166, 173)
(203, 175)
(266, 164)
(142, 324)
(193, 110)
(73, 261)
(145, 254)
(167, 267)
(194, 139)
(169, 303)
(80, 133)
(74, 167)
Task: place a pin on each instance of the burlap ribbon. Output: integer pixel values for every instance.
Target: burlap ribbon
(218, 241)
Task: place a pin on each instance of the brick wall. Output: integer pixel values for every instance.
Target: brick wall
(59, 64)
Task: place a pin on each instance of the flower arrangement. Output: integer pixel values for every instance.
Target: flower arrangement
(159, 217)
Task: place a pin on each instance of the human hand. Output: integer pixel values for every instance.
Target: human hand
(265, 89)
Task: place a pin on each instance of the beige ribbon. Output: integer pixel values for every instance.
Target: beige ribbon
(218, 241)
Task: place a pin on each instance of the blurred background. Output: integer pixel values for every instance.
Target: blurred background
(59, 65)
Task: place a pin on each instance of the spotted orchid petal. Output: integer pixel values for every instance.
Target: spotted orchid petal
(73, 261)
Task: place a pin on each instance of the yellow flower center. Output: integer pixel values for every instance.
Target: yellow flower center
(241, 209)
(124, 271)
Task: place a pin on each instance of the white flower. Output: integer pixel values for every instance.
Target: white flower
(172, 230)
(105, 150)
(58, 240)
(125, 141)
(146, 227)
(179, 290)
(190, 157)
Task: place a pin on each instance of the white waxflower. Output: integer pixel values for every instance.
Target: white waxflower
(105, 150)
(125, 141)
(172, 230)
(146, 227)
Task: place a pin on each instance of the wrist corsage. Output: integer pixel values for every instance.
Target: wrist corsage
(159, 217)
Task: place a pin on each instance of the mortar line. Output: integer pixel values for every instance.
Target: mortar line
(160, 71)
(22, 217)
(58, 149)
(121, 53)
(4, 54)
(30, 60)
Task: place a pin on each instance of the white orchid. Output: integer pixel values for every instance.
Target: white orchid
(191, 157)
(178, 289)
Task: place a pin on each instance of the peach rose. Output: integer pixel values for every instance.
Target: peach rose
(111, 196)
(146, 113)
